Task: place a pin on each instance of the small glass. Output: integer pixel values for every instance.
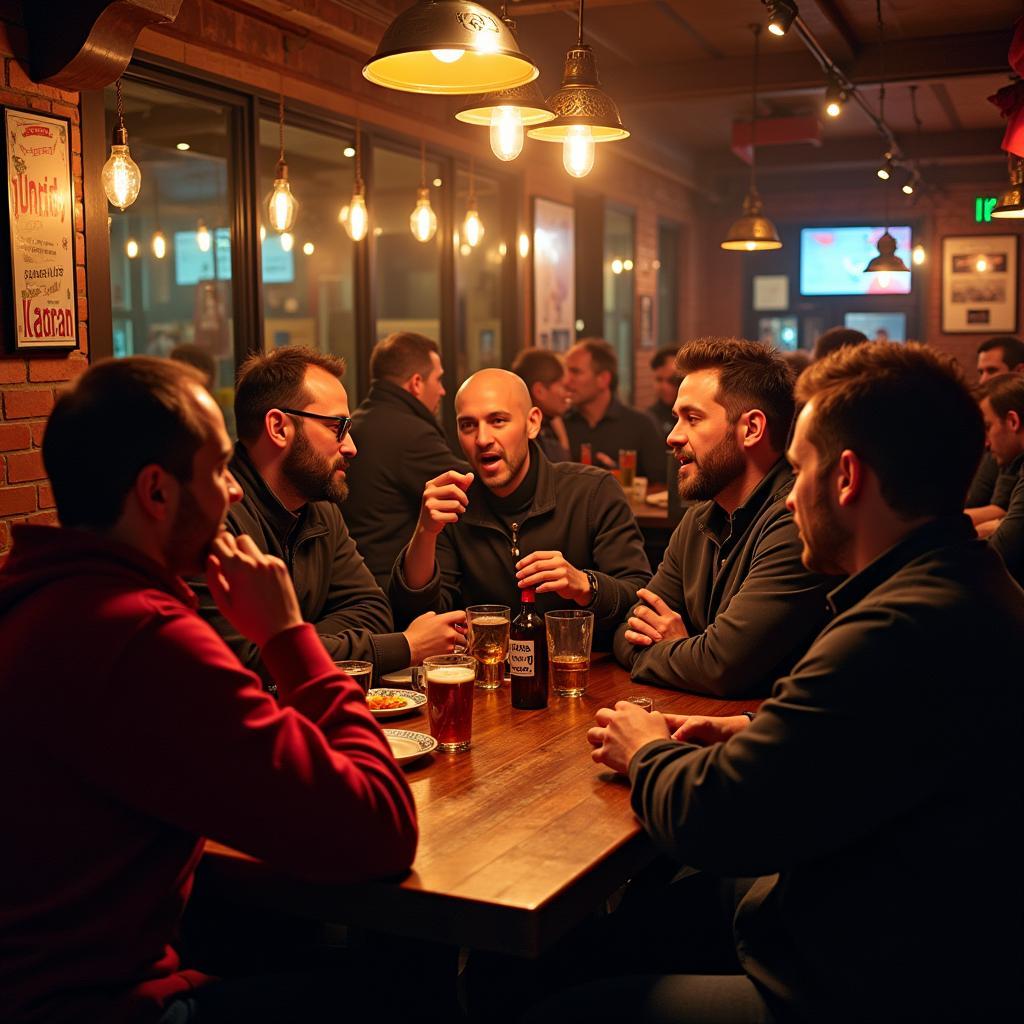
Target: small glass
(642, 702)
(627, 468)
(570, 634)
(488, 642)
(450, 679)
(640, 489)
(360, 671)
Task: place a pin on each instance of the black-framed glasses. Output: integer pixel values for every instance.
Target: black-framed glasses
(344, 423)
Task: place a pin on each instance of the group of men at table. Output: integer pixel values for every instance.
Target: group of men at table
(824, 563)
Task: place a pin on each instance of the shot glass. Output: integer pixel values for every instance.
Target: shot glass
(488, 642)
(643, 702)
(569, 634)
(450, 679)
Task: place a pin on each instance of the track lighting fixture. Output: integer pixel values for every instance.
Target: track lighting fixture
(781, 14)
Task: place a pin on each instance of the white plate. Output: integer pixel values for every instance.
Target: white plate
(412, 699)
(403, 677)
(407, 746)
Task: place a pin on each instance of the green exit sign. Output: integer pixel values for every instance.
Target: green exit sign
(983, 207)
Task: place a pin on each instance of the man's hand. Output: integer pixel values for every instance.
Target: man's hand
(653, 621)
(621, 732)
(252, 590)
(444, 500)
(986, 529)
(704, 730)
(431, 634)
(549, 572)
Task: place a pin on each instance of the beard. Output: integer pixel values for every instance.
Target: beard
(825, 540)
(716, 469)
(311, 474)
(512, 466)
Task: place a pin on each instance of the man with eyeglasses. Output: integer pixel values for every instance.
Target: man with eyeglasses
(294, 449)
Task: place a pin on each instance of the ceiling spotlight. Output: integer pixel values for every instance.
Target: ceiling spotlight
(910, 185)
(781, 14)
(835, 97)
(885, 171)
(183, 146)
(349, 151)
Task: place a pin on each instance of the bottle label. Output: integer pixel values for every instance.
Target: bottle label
(520, 657)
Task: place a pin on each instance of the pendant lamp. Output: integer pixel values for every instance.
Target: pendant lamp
(357, 220)
(449, 48)
(121, 177)
(752, 232)
(472, 226)
(1011, 202)
(282, 206)
(423, 220)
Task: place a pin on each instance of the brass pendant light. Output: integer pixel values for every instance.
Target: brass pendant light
(1011, 202)
(752, 232)
(449, 48)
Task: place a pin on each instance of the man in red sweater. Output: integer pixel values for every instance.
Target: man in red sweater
(129, 731)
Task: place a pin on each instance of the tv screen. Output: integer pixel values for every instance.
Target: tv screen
(832, 261)
(878, 326)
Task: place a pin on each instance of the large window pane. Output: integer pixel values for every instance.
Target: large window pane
(618, 293)
(478, 271)
(307, 274)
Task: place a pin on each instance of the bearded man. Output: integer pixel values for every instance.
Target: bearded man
(294, 447)
(731, 607)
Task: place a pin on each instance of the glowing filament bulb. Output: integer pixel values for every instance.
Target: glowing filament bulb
(159, 244)
(833, 108)
(506, 133)
(121, 178)
(472, 226)
(447, 56)
(203, 237)
(131, 248)
(578, 150)
(423, 220)
(524, 244)
(358, 221)
(282, 206)
(287, 241)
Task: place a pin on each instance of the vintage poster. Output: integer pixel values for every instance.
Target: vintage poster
(554, 275)
(41, 230)
(979, 284)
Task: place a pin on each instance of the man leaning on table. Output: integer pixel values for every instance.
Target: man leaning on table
(877, 815)
(731, 606)
(519, 520)
(130, 731)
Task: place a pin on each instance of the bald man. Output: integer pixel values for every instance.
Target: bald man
(517, 520)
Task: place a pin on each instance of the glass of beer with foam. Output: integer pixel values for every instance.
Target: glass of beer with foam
(450, 679)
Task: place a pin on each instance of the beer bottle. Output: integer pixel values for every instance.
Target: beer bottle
(528, 656)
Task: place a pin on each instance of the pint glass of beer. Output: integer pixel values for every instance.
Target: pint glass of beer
(360, 671)
(569, 636)
(450, 680)
(488, 642)
(627, 469)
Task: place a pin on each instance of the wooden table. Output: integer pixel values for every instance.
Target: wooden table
(649, 516)
(520, 838)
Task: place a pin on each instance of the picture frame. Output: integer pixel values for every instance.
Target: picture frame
(554, 274)
(980, 284)
(40, 223)
(647, 321)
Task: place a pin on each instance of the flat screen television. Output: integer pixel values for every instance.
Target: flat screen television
(832, 261)
(878, 326)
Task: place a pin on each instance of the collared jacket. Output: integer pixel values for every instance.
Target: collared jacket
(578, 510)
(993, 484)
(750, 607)
(620, 427)
(876, 795)
(400, 447)
(1008, 539)
(336, 592)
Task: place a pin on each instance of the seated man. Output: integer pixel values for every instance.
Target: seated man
(666, 384)
(731, 607)
(880, 827)
(543, 372)
(519, 521)
(1008, 537)
(1002, 408)
(291, 460)
(402, 446)
(130, 731)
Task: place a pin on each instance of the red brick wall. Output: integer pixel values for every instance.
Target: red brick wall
(28, 386)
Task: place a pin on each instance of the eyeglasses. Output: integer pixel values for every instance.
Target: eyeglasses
(344, 423)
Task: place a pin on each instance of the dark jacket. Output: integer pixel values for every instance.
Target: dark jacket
(662, 417)
(578, 510)
(993, 484)
(620, 427)
(400, 447)
(550, 445)
(878, 794)
(1008, 539)
(336, 592)
(748, 603)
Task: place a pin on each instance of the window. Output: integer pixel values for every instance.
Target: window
(668, 284)
(618, 292)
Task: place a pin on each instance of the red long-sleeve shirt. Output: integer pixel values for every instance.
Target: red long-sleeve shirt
(129, 731)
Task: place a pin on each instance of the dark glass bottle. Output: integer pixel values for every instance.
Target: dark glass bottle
(528, 656)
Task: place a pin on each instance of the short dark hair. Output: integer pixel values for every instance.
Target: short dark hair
(750, 376)
(1012, 348)
(197, 357)
(876, 400)
(1005, 393)
(400, 355)
(602, 358)
(538, 365)
(120, 416)
(836, 338)
(274, 380)
(663, 355)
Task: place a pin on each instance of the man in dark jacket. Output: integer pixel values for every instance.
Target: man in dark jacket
(1002, 408)
(666, 384)
(543, 373)
(402, 446)
(519, 521)
(731, 607)
(881, 826)
(292, 459)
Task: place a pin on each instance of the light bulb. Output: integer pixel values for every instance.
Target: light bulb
(751, 246)
(918, 255)
(447, 56)
(506, 133)
(263, 233)
(159, 244)
(282, 206)
(616, 266)
(357, 221)
(121, 178)
(908, 188)
(472, 226)
(349, 151)
(423, 220)
(524, 244)
(309, 248)
(131, 248)
(203, 237)
(982, 265)
(627, 264)
(833, 108)
(578, 150)
(287, 241)
(502, 250)
(883, 172)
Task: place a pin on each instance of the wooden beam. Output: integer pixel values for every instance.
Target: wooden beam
(832, 16)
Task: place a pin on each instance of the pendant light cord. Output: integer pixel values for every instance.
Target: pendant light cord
(359, 159)
(280, 123)
(120, 104)
(881, 97)
(423, 163)
(756, 29)
(579, 22)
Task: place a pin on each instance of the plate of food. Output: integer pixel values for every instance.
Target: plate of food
(407, 746)
(386, 703)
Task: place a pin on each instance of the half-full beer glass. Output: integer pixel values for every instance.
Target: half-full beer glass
(450, 680)
(488, 642)
(569, 636)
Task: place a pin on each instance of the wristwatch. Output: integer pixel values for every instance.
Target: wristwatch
(592, 580)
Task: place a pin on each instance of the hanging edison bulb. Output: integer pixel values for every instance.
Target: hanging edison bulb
(131, 248)
(287, 241)
(282, 206)
(423, 220)
(578, 150)
(506, 133)
(472, 226)
(203, 236)
(158, 244)
(357, 220)
(121, 177)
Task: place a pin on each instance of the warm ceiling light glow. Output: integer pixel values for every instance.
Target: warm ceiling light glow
(203, 236)
(282, 205)
(627, 264)
(918, 255)
(423, 220)
(131, 248)
(524, 244)
(158, 244)
(447, 56)
(358, 220)
(287, 240)
(981, 266)
(308, 248)
(473, 226)
(578, 151)
(781, 14)
(183, 146)
(263, 233)
(507, 133)
(121, 178)
(502, 250)
(436, 183)
(349, 151)
(616, 266)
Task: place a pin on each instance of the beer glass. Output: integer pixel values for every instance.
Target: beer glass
(627, 469)
(360, 671)
(450, 680)
(569, 635)
(488, 642)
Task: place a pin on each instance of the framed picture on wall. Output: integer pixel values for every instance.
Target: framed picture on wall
(40, 246)
(979, 284)
(554, 274)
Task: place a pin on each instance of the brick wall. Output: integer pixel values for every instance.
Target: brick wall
(29, 386)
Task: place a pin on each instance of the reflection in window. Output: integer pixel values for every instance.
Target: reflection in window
(307, 273)
(618, 293)
(668, 284)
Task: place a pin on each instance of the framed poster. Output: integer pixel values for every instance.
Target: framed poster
(554, 274)
(40, 230)
(646, 321)
(979, 284)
